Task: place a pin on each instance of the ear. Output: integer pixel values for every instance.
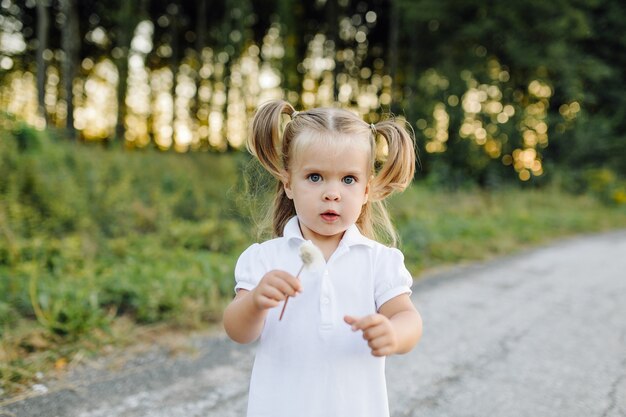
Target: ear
(367, 190)
(284, 178)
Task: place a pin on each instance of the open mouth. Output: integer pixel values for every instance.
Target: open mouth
(329, 216)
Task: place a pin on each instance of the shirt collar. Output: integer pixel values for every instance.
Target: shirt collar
(351, 237)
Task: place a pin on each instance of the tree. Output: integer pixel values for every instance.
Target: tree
(291, 15)
(332, 35)
(529, 55)
(70, 43)
(126, 18)
(392, 56)
(555, 66)
(43, 23)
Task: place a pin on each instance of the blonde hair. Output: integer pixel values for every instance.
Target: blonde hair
(391, 173)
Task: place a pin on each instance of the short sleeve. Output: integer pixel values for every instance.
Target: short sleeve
(392, 277)
(249, 268)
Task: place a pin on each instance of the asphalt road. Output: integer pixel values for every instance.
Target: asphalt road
(542, 333)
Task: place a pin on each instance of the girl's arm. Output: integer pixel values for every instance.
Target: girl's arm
(245, 315)
(396, 328)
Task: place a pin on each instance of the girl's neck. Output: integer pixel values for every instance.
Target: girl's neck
(327, 244)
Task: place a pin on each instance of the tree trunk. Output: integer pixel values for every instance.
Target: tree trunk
(201, 25)
(128, 17)
(392, 58)
(233, 23)
(293, 29)
(201, 43)
(125, 27)
(43, 23)
(411, 75)
(332, 20)
(122, 87)
(175, 61)
(70, 43)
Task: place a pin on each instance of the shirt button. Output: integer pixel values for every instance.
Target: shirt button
(325, 300)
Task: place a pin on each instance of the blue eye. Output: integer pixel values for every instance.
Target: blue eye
(315, 177)
(349, 180)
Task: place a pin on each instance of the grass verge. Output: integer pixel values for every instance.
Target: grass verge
(97, 245)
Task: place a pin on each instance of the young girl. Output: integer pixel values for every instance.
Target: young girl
(326, 356)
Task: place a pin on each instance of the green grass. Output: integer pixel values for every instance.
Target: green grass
(96, 243)
(448, 227)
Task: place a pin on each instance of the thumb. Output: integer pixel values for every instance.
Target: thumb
(350, 320)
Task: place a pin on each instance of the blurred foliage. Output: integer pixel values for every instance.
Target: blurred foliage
(500, 49)
(496, 91)
(90, 236)
(442, 228)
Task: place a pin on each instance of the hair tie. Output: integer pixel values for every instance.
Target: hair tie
(373, 128)
(294, 114)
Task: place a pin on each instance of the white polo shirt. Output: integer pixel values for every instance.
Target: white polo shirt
(311, 363)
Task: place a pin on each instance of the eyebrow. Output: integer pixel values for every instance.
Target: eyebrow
(353, 172)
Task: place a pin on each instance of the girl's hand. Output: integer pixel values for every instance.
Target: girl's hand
(378, 331)
(274, 287)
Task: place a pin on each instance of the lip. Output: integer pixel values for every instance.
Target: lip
(330, 216)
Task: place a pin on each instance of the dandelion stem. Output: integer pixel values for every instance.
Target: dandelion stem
(287, 299)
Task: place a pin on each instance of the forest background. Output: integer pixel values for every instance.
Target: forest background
(122, 198)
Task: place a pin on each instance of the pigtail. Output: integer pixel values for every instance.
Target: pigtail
(398, 167)
(265, 142)
(395, 172)
(375, 223)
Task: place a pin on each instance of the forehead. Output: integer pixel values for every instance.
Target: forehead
(330, 143)
(337, 154)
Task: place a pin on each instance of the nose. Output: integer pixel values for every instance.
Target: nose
(331, 194)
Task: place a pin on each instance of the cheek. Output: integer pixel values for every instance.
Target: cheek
(300, 192)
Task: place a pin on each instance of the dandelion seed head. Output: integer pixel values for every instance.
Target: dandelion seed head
(311, 255)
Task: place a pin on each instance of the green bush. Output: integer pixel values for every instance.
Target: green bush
(90, 234)
(603, 183)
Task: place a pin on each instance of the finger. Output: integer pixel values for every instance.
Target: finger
(265, 302)
(374, 332)
(273, 293)
(385, 351)
(350, 320)
(292, 282)
(281, 281)
(367, 322)
(284, 287)
(379, 343)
